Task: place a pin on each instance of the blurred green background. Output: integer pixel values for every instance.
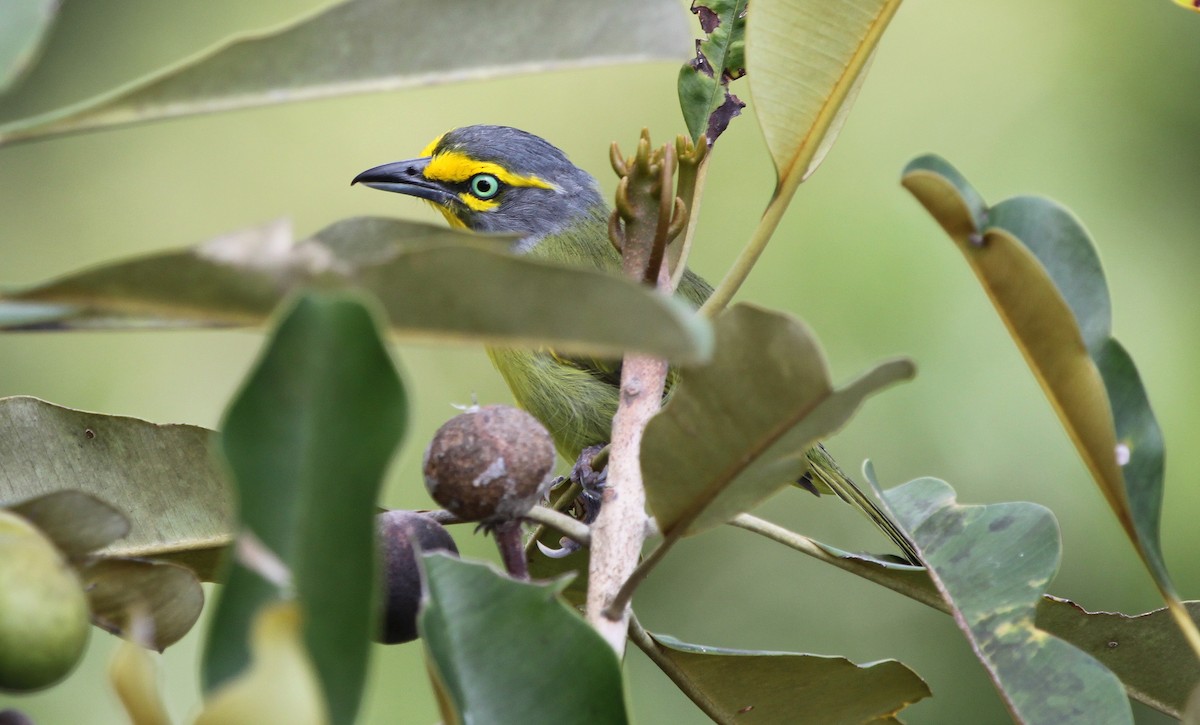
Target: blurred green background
(1093, 104)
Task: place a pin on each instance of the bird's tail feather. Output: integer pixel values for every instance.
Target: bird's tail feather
(825, 476)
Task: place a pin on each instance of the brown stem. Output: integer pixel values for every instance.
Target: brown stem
(512, 551)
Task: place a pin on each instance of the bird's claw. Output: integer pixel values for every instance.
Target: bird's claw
(569, 546)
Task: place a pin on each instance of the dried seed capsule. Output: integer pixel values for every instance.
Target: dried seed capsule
(400, 535)
(490, 464)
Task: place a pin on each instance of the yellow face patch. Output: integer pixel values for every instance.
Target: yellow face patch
(451, 219)
(455, 167)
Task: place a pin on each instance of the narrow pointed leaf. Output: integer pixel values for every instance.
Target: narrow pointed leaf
(25, 27)
(308, 439)
(504, 651)
(160, 477)
(806, 60)
(1039, 267)
(123, 593)
(381, 45)
(991, 565)
(736, 430)
(435, 283)
(776, 687)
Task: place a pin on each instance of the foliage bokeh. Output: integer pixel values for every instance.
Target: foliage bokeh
(1091, 104)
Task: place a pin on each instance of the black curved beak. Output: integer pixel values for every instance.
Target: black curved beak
(405, 177)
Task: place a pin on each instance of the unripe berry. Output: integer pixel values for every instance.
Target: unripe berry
(43, 611)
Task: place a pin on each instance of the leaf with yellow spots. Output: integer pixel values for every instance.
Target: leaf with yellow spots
(991, 565)
(1039, 267)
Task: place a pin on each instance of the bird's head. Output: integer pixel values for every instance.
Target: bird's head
(493, 179)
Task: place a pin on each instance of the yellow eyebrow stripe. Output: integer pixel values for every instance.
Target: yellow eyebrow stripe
(455, 167)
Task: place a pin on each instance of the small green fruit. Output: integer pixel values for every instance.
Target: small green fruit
(43, 610)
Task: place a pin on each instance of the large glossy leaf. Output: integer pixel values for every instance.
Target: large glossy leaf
(777, 687)
(806, 60)
(1039, 267)
(160, 477)
(308, 439)
(379, 45)
(23, 30)
(991, 565)
(434, 283)
(736, 430)
(505, 651)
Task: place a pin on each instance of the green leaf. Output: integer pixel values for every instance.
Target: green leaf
(991, 564)
(435, 284)
(1145, 650)
(121, 592)
(308, 439)
(736, 430)
(160, 477)
(511, 652)
(380, 45)
(806, 60)
(1039, 267)
(704, 81)
(24, 31)
(77, 523)
(779, 687)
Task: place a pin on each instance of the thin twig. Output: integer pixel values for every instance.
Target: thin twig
(921, 589)
(571, 528)
(740, 270)
(620, 600)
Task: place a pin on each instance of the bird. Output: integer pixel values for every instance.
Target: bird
(500, 179)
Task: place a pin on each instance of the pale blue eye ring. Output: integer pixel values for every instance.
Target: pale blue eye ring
(484, 186)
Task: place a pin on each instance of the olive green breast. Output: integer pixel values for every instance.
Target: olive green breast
(576, 397)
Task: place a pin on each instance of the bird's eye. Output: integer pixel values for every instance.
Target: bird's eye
(485, 186)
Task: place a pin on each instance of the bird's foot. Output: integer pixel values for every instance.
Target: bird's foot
(586, 506)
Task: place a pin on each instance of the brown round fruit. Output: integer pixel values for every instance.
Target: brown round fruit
(490, 464)
(43, 610)
(400, 536)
